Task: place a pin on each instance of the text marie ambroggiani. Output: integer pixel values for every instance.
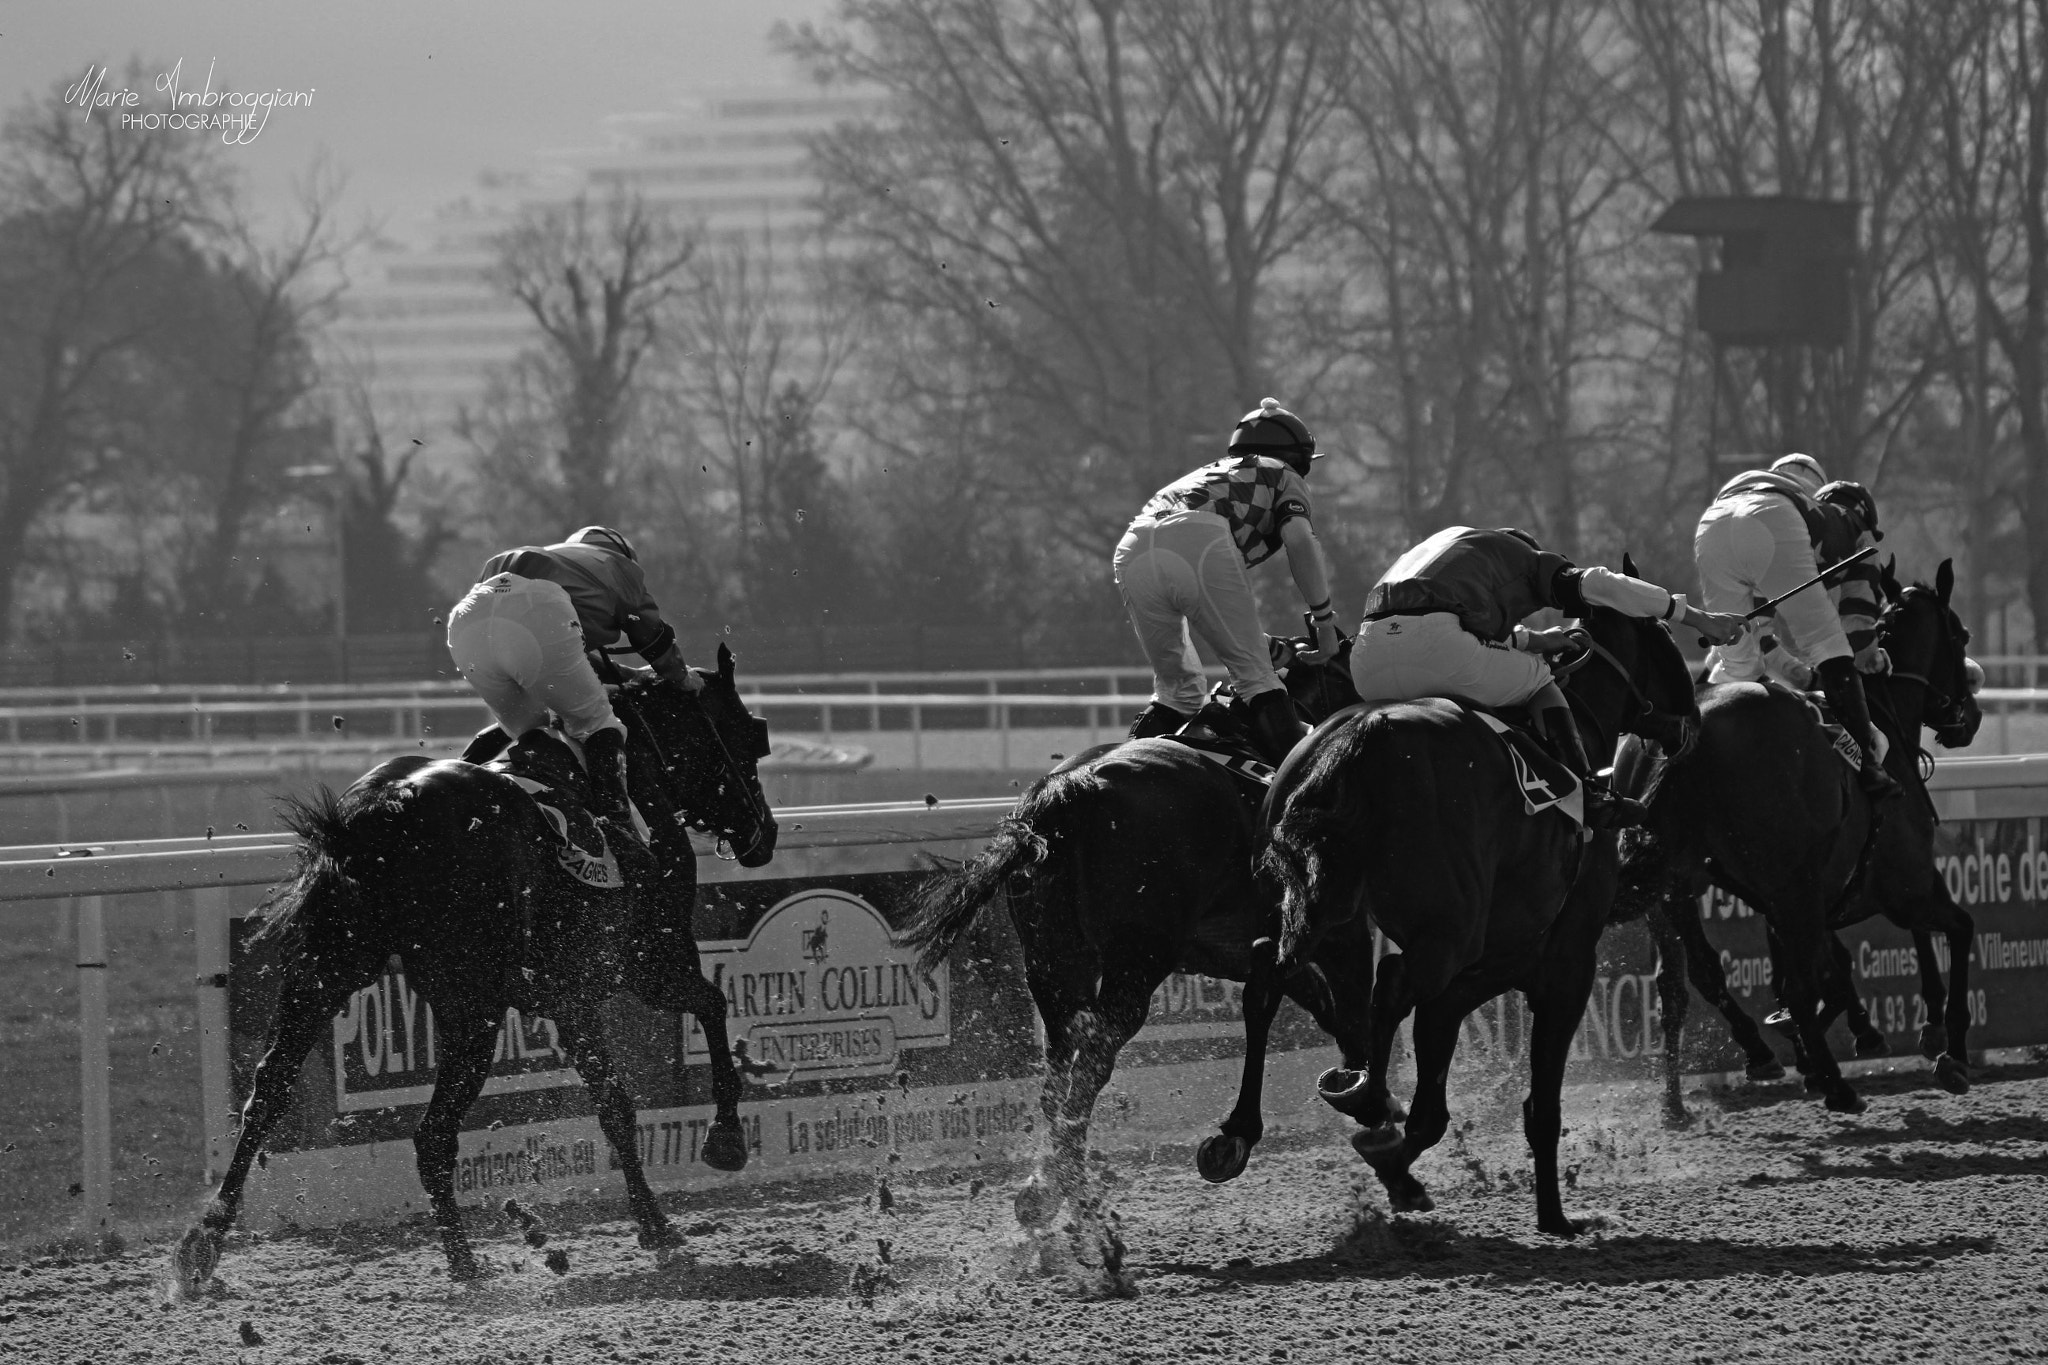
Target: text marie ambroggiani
(238, 116)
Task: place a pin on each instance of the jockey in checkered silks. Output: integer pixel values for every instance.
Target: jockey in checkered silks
(1180, 570)
(519, 638)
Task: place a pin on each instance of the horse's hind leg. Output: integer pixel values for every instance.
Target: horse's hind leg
(1223, 1156)
(1098, 1033)
(311, 997)
(1839, 1000)
(1429, 1114)
(582, 1035)
(467, 1032)
(1704, 970)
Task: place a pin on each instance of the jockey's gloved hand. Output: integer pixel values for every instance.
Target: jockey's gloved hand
(1553, 641)
(672, 669)
(1717, 627)
(1873, 660)
(1327, 642)
(1282, 651)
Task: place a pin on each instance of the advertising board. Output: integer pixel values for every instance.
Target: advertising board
(853, 1058)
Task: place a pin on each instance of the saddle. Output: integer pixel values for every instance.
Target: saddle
(546, 767)
(1218, 733)
(1840, 740)
(1543, 780)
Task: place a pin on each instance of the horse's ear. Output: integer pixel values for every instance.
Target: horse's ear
(1628, 564)
(1945, 580)
(1888, 579)
(724, 662)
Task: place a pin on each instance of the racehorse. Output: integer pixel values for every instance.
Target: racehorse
(1765, 809)
(449, 867)
(1410, 815)
(1127, 863)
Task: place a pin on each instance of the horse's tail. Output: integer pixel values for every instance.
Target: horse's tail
(945, 905)
(322, 907)
(1311, 818)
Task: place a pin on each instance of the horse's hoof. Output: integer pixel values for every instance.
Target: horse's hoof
(468, 1268)
(1561, 1226)
(1222, 1157)
(193, 1263)
(1769, 1069)
(1872, 1045)
(1410, 1198)
(1036, 1204)
(1676, 1116)
(1845, 1101)
(1781, 1020)
(1374, 1143)
(1952, 1074)
(663, 1238)
(1340, 1086)
(1933, 1041)
(725, 1147)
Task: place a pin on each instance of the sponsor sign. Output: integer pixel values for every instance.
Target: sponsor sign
(852, 1057)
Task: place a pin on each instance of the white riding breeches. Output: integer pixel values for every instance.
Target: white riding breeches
(1184, 571)
(1400, 658)
(1748, 549)
(518, 643)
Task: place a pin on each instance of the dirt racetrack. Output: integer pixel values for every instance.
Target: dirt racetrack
(1769, 1230)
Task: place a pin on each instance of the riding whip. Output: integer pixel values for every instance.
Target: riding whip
(1768, 607)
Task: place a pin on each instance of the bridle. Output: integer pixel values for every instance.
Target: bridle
(757, 804)
(1687, 726)
(1943, 710)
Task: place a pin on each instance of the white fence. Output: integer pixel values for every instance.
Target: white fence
(210, 868)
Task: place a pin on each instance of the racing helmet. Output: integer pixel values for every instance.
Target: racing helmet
(1803, 470)
(604, 538)
(1270, 429)
(1853, 496)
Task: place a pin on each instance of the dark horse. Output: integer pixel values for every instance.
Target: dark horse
(1409, 814)
(449, 867)
(1765, 809)
(1124, 865)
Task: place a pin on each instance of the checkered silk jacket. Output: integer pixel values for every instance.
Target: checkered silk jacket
(1256, 495)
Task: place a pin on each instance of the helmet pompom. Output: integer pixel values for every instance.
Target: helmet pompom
(1269, 406)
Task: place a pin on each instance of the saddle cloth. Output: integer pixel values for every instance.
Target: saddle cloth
(1839, 739)
(548, 767)
(1218, 735)
(1545, 782)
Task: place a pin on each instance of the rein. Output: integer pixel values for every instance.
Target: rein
(757, 803)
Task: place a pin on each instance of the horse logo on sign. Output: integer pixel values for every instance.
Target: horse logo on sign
(814, 939)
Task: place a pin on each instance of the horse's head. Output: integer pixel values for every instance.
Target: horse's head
(710, 747)
(1321, 689)
(1927, 644)
(1632, 678)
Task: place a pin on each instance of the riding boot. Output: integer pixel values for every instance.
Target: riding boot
(1605, 808)
(605, 752)
(1275, 728)
(1157, 719)
(1844, 688)
(488, 744)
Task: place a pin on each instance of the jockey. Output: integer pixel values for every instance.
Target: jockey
(519, 638)
(1182, 564)
(1443, 622)
(1757, 540)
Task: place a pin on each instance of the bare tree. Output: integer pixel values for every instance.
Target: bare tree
(277, 294)
(598, 279)
(1095, 196)
(760, 339)
(85, 214)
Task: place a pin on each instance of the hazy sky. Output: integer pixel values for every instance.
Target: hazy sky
(412, 97)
